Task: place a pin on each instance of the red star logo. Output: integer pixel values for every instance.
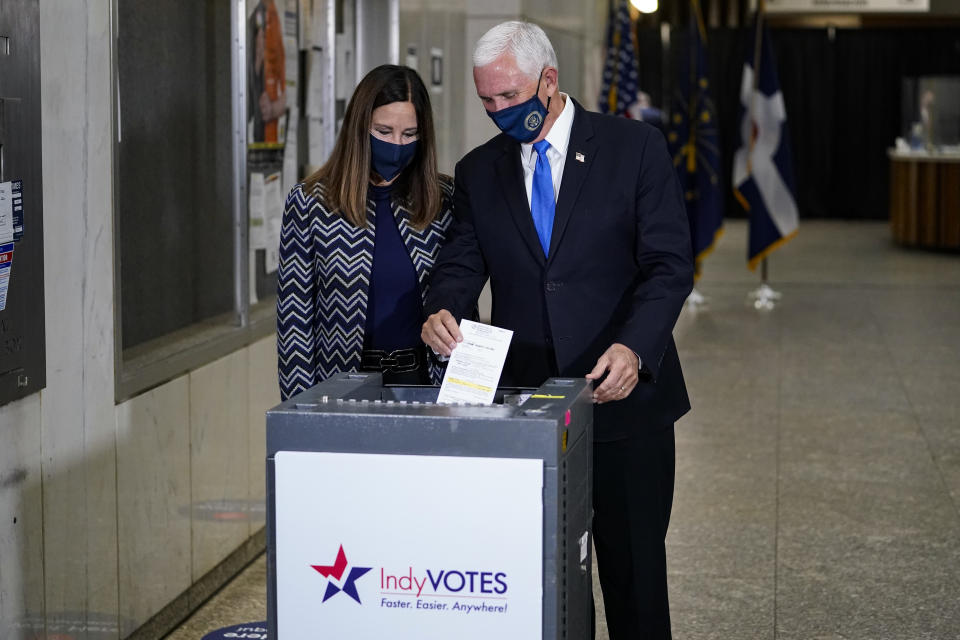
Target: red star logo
(335, 572)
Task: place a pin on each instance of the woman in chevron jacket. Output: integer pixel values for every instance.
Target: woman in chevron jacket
(359, 239)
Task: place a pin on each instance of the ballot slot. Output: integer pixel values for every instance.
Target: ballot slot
(428, 393)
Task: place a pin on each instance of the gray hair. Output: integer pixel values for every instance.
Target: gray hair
(525, 41)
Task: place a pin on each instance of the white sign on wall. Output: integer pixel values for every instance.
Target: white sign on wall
(408, 547)
(847, 6)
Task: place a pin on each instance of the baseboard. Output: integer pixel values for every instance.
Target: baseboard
(172, 615)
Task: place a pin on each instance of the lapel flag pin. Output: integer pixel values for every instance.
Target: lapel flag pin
(580, 157)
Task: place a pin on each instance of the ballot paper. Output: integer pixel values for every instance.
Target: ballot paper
(473, 371)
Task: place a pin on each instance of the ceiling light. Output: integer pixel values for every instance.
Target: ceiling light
(645, 6)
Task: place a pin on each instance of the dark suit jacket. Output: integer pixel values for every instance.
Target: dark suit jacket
(619, 267)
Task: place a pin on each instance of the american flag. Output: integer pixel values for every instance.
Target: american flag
(619, 91)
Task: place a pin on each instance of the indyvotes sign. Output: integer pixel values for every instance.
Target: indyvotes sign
(417, 546)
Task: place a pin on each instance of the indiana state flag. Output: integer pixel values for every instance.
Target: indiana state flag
(762, 167)
(618, 94)
(694, 143)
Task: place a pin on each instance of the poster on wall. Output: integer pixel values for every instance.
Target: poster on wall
(291, 51)
(7, 200)
(266, 214)
(291, 174)
(257, 212)
(847, 6)
(6, 212)
(266, 74)
(6, 262)
(273, 215)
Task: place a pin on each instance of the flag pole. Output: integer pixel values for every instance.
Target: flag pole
(757, 53)
(764, 297)
(696, 300)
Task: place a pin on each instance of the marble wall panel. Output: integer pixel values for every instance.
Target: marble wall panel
(219, 459)
(263, 393)
(153, 497)
(21, 516)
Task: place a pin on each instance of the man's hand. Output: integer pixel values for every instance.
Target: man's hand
(442, 333)
(623, 370)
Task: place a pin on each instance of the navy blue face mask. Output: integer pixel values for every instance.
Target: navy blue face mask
(389, 159)
(523, 121)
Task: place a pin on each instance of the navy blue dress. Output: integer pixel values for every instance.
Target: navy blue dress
(394, 305)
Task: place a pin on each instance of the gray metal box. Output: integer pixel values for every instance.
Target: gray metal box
(356, 413)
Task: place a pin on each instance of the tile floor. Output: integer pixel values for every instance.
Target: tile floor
(818, 475)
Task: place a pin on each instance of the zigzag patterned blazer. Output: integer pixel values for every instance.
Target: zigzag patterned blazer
(324, 279)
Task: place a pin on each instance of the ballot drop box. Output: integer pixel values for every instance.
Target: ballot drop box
(391, 516)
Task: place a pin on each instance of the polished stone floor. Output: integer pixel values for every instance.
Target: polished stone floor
(818, 475)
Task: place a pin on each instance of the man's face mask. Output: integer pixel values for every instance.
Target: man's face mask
(523, 121)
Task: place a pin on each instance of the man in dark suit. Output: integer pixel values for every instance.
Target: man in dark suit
(578, 221)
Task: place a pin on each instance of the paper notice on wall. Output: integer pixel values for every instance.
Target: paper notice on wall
(292, 69)
(17, 191)
(290, 176)
(412, 59)
(273, 206)
(315, 155)
(314, 84)
(282, 128)
(257, 212)
(273, 245)
(305, 35)
(272, 197)
(252, 273)
(473, 371)
(6, 212)
(6, 264)
(290, 18)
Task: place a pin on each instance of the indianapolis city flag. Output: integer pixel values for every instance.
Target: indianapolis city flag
(762, 167)
(618, 92)
(694, 143)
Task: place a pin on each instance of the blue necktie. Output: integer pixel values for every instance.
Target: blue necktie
(542, 203)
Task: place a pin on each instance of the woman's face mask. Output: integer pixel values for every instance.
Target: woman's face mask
(393, 138)
(389, 159)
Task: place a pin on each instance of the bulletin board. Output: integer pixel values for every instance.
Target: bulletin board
(22, 348)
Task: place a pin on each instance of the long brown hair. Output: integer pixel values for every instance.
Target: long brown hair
(346, 174)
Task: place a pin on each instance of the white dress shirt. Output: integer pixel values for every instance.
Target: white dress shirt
(559, 139)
